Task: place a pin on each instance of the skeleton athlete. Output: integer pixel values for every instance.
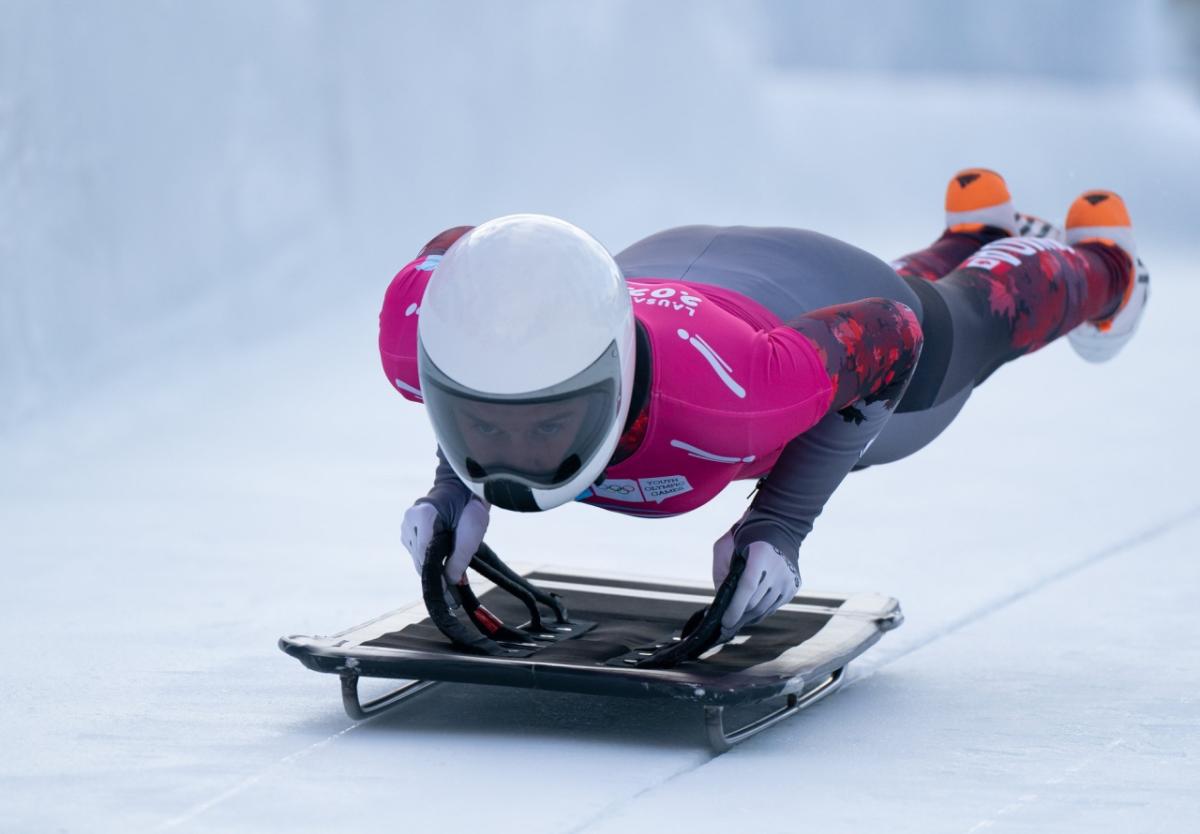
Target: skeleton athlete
(646, 382)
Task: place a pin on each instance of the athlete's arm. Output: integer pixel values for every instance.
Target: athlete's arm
(870, 349)
(398, 318)
(449, 503)
(448, 495)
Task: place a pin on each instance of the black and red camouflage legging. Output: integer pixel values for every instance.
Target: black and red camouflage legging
(1011, 295)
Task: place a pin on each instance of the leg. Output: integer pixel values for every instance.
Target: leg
(1017, 295)
(939, 258)
(1010, 298)
(979, 210)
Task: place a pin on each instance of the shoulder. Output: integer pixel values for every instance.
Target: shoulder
(398, 318)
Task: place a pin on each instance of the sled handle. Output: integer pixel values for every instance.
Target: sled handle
(485, 559)
(441, 547)
(520, 592)
(488, 624)
(703, 630)
(494, 636)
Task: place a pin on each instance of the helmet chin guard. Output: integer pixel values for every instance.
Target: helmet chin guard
(526, 360)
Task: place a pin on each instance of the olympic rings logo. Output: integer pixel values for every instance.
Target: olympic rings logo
(619, 489)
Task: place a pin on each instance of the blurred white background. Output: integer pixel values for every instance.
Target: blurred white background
(267, 159)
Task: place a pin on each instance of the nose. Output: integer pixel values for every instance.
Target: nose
(530, 454)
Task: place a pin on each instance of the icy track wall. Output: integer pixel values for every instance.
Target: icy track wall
(182, 177)
(159, 157)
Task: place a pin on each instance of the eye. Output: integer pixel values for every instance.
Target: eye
(485, 429)
(549, 429)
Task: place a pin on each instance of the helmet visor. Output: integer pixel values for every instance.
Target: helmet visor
(542, 438)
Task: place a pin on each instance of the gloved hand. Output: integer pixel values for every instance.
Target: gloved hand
(422, 521)
(770, 580)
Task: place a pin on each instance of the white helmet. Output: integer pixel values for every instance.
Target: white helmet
(526, 359)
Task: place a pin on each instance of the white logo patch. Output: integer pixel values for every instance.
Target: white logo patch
(660, 489)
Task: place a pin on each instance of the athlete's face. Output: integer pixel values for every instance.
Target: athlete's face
(528, 438)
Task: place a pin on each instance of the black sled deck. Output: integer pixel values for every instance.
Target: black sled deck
(620, 638)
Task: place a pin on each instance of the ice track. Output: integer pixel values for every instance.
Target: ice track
(1045, 677)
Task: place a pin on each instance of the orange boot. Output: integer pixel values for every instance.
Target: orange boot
(1101, 217)
(978, 197)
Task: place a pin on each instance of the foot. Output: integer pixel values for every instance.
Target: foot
(978, 197)
(1101, 217)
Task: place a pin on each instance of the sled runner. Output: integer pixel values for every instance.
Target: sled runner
(620, 637)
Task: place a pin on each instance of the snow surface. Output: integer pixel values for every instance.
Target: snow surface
(200, 454)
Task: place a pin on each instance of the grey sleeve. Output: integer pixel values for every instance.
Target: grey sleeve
(810, 468)
(870, 367)
(449, 496)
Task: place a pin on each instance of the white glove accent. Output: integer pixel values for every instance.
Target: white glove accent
(420, 523)
(769, 581)
(472, 526)
(722, 556)
(417, 529)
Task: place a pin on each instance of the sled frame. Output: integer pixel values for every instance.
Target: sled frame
(356, 709)
(720, 738)
(766, 692)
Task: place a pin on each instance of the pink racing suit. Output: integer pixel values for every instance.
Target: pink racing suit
(730, 387)
(725, 387)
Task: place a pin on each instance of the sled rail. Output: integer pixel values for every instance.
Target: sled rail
(356, 709)
(721, 739)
